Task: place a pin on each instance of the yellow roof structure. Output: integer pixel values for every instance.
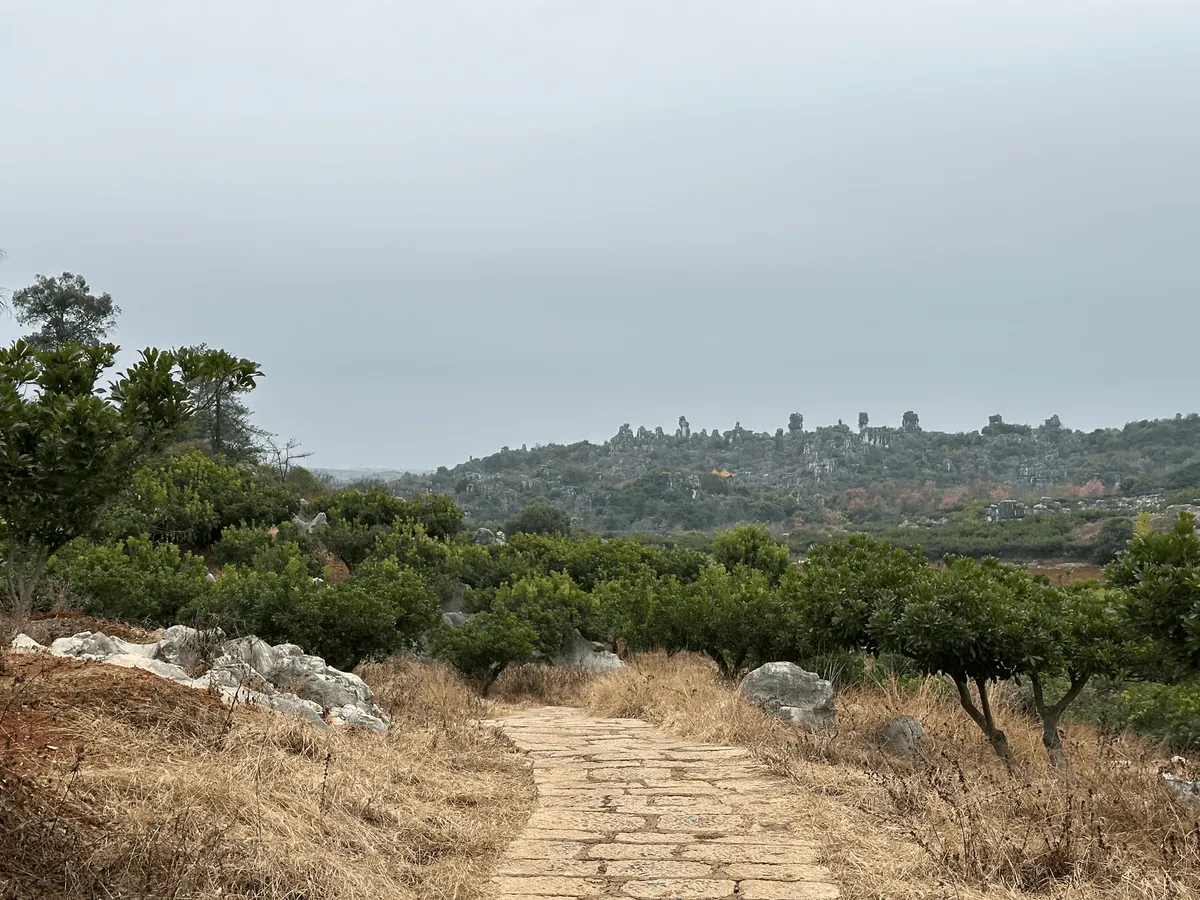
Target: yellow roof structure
(724, 473)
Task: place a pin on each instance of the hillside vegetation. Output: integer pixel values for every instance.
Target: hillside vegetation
(660, 480)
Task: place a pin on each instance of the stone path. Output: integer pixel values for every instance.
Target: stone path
(627, 810)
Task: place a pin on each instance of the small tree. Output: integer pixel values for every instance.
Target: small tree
(840, 588)
(1160, 577)
(962, 623)
(283, 457)
(753, 547)
(66, 311)
(1077, 633)
(67, 447)
(216, 380)
(539, 517)
(485, 646)
(553, 606)
(736, 618)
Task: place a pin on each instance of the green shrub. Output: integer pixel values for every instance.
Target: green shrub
(1168, 713)
(239, 544)
(132, 579)
(485, 646)
(753, 547)
(539, 518)
(553, 606)
(189, 499)
(262, 602)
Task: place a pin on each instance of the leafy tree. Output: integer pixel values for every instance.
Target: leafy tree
(863, 420)
(839, 590)
(438, 514)
(1115, 535)
(795, 423)
(133, 580)
(485, 646)
(737, 619)
(216, 381)
(66, 311)
(1160, 577)
(383, 609)
(753, 547)
(189, 499)
(910, 421)
(246, 600)
(67, 448)
(964, 623)
(553, 606)
(539, 518)
(1079, 633)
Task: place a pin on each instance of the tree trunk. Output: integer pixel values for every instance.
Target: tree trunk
(982, 715)
(216, 437)
(1051, 715)
(490, 679)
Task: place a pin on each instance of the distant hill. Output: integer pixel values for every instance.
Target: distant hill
(349, 476)
(652, 480)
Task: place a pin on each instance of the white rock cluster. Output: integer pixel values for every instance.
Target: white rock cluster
(245, 670)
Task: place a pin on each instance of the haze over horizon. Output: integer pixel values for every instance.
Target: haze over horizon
(445, 228)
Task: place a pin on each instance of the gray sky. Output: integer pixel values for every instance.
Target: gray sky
(446, 226)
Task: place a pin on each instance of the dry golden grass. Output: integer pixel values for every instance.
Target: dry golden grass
(535, 684)
(114, 783)
(955, 823)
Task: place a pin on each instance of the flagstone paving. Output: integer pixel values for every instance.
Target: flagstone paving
(630, 811)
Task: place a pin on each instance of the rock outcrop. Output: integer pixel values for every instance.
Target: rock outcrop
(245, 670)
(308, 526)
(590, 655)
(903, 736)
(785, 690)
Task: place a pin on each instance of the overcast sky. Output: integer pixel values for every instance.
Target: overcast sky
(447, 226)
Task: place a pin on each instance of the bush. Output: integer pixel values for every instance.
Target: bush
(1168, 713)
(239, 544)
(753, 547)
(485, 646)
(263, 603)
(1115, 535)
(132, 579)
(553, 606)
(189, 499)
(539, 518)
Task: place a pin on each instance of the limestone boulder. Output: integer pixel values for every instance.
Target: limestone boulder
(785, 690)
(903, 736)
(253, 651)
(308, 526)
(23, 643)
(356, 715)
(155, 667)
(187, 647)
(484, 537)
(1181, 789)
(590, 655)
(245, 670)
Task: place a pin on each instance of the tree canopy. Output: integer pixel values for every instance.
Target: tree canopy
(65, 311)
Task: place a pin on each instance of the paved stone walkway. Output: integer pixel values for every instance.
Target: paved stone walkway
(627, 810)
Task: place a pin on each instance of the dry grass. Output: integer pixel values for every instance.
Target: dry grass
(536, 684)
(114, 783)
(956, 823)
